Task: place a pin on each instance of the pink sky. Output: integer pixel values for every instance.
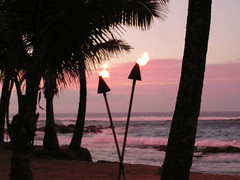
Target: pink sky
(165, 39)
(156, 92)
(158, 89)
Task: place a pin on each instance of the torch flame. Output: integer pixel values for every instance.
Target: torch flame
(143, 59)
(104, 73)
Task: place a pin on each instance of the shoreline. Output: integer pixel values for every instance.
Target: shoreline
(56, 169)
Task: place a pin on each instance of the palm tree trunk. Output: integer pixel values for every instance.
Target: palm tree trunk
(3, 103)
(19, 93)
(180, 148)
(23, 128)
(30, 103)
(50, 141)
(79, 127)
(7, 108)
(21, 155)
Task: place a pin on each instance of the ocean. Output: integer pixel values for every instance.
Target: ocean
(147, 131)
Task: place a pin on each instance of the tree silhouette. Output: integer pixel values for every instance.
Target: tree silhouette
(40, 36)
(179, 153)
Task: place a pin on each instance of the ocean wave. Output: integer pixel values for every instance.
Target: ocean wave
(219, 118)
(66, 120)
(155, 141)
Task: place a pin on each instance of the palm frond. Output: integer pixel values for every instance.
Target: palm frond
(81, 25)
(105, 51)
(61, 34)
(133, 13)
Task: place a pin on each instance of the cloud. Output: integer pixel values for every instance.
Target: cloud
(158, 89)
(222, 87)
(160, 79)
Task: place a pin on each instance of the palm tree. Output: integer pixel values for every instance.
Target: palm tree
(66, 35)
(7, 77)
(179, 153)
(56, 31)
(110, 47)
(61, 77)
(79, 127)
(21, 138)
(12, 27)
(116, 14)
(3, 102)
(5, 85)
(50, 140)
(66, 74)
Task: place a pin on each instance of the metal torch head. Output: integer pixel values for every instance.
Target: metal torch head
(135, 74)
(102, 86)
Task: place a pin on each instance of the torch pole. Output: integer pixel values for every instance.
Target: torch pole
(126, 130)
(114, 133)
(103, 88)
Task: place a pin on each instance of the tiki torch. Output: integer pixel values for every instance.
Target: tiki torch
(103, 89)
(135, 75)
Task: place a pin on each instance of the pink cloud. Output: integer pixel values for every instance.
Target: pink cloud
(222, 87)
(158, 89)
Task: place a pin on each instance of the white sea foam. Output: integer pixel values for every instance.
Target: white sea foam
(218, 143)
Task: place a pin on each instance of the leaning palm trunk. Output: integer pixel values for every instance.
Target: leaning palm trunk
(50, 141)
(3, 102)
(79, 127)
(180, 148)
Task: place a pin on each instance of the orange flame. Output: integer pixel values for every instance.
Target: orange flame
(104, 73)
(143, 59)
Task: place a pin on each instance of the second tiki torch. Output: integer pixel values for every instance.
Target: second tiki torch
(134, 75)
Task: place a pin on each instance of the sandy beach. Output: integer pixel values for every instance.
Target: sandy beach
(55, 169)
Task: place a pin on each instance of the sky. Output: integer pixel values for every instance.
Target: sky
(164, 42)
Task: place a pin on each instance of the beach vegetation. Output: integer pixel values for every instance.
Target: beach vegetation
(125, 13)
(54, 42)
(107, 48)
